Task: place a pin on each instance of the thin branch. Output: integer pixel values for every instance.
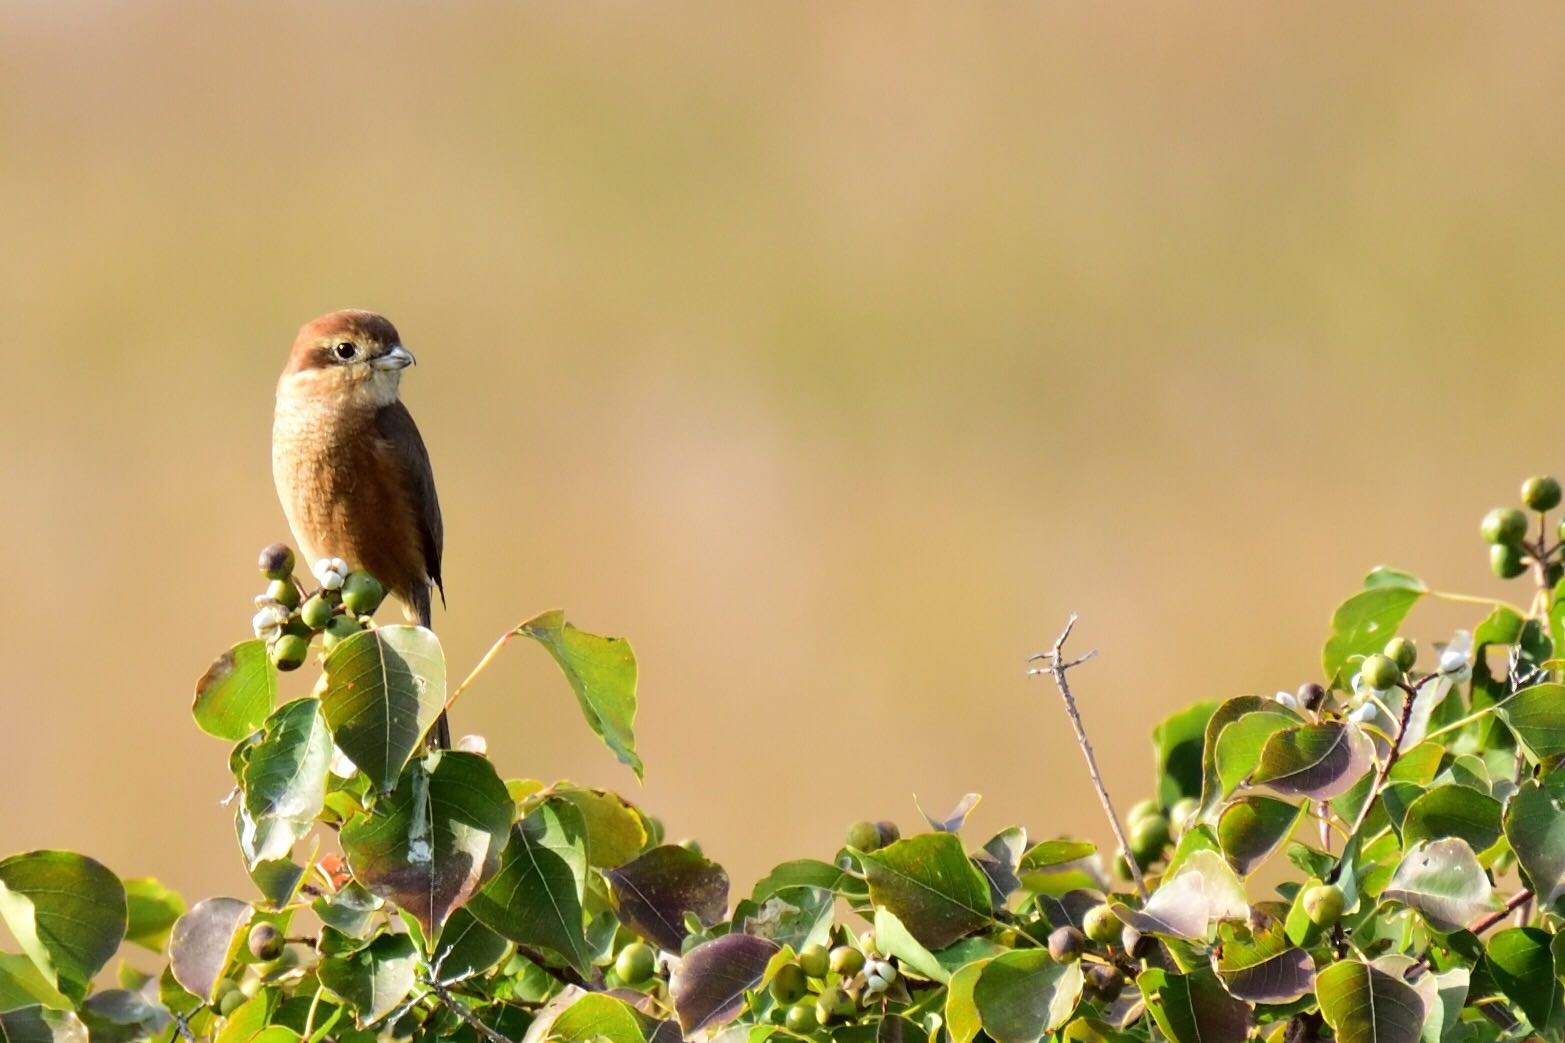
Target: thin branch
(460, 1009)
(182, 1027)
(1410, 691)
(483, 664)
(1515, 902)
(1056, 666)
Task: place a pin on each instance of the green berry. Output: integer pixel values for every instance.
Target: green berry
(1148, 838)
(277, 561)
(889, 833)
(1101, 925)
(1541, 493)
(1183, 813)
(231, 1002)
(1066, 944)
(223, 988)
(789, 984)
(846, 961)
(864, 835)
(1323, 904)
(1143, 809)
(815, 960)
(801, 1018)
(289, 652)
(1506, 560)
(265, 941)
(1402, 652)
(362, 593)
(1379, 672)
(635, 963)
(340, 629)
(832, 1003)
(284, 592)
(1106, 981)
(1503, 525)
(316, 612)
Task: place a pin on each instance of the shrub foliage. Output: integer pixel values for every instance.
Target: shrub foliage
(1408, 802)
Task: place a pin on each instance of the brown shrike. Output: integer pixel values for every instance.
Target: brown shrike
(351, 469)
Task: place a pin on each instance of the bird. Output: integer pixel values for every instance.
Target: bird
(350, 466)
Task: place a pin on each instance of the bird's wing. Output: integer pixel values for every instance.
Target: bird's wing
(395, 424)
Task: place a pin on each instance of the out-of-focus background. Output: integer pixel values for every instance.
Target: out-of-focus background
(831, 353)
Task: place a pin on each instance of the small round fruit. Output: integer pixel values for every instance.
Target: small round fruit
(1183, 813)
(1379, 672)
(340, 629)
(801, 1018)
(1066, 944)
(1101, 925)
(1503, 525)
(265, 941)
(289, 652)
(1541, 493)
(815, 960)
(1506, 560)
(1143, 809)
(864, 835)
(889, 833)
(284, 592)
(1148, 838)
(846, 961)
(231, 1002)
(362, 593)
(635, 963)
(789, 984)
(1311, 695)
(316, 612)
(1106, 981)
(223, 988)
(1402, 652)
(277, 561)
(832, 1003)
(1323, 904)
(691, 844)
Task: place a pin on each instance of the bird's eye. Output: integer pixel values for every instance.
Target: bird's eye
(345, 351)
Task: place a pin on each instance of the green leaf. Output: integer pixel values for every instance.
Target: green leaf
(615, 833)
(805, 872)
(384, 688)
(893, 939)
(1260, 965)
(1535, 827)
(205, 942)
(1202, 890)
(1364, 1004)
(66, 911)
(596, 1018)
(657, 891)
(1453, 811)
(602, 671)
(1178, 743)
(1536, 716)
(999, 861)
(22, 984)
(237, 692)
(1442, 880)
(436, 839)
(40, 1025)
(466, 948)
(1525, 963)
(536, 897)
(929, 884)
(1193, 1008)
(1253, 827)
(284, 781)
(1023, 994)
(963, 1021)
(1317, 761)
(151, 911)
(709, 987)
(1239, 745)
(374, 979)
(1362, 625)
(1225, 714)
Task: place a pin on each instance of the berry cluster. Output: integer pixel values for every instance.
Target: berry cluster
(827, 985)
(287, 618)
(1505, 530)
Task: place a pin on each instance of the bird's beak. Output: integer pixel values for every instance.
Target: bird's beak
(397, 357)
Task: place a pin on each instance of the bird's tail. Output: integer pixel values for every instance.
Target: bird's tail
(423, 608)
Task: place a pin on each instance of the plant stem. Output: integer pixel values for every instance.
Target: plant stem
(459, 1008)
(1515, 902)
(1411, 693)
(1056, 666)
(483, 664)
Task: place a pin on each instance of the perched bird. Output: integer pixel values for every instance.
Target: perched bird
(351, 469)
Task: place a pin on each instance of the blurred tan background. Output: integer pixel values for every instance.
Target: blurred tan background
(832, 353)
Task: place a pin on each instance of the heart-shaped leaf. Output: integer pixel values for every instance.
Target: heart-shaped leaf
(709, 987)
(594, 1017)
(237, 692)
(435, 840)
(930, 885)
(602, 672)
(1253, 827)
(1536, 716)
(536, 897)
(205, 941)
(1317, 761)
(1453, 811)
(1261, 965)
(284, 781)
(655, 892)
(66, 911)
(1363, 624)
(1535, 826)
(1023, 994)
(373, 980)
(384, 688)
(466, 948)
(1364, 1004)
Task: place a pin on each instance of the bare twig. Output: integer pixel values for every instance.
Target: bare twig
(1056, 666)
(182, 1027)
(459, 1008)
(1410, 691)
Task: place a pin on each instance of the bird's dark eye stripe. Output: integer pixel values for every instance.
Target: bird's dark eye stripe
(345, 350)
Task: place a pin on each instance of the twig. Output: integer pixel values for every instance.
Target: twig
(1056, 665)
(483, 664)
(459, 1008)
(182, 1027)
(1411, 692)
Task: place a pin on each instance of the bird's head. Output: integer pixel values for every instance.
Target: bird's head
(355, 357)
